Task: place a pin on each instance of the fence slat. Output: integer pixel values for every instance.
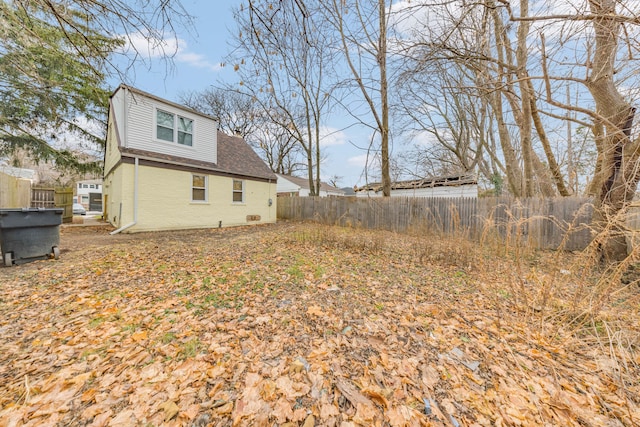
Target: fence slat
(542, 223)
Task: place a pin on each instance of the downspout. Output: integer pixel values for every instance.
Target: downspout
(135, 200)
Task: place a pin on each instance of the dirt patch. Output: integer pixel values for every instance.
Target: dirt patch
(85, 237)
(81, 237)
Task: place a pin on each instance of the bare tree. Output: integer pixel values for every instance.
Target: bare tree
(236, 112)
(477, 41)
(281, 56)
(617, 174)
(282, 152)
(362, 27)
(525, 78)
(438, 100)
(240, 114)
(335, 180)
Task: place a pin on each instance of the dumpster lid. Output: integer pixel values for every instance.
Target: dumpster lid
(6, 211)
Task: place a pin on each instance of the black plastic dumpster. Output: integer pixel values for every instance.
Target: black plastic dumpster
(29, 234)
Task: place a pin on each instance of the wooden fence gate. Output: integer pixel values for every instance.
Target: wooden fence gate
(54, 198)
(95, 202)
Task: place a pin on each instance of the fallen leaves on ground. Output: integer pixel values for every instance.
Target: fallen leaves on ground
(273, 326)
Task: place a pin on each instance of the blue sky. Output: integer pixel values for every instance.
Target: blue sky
(197, 65)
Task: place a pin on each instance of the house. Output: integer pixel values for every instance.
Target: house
(15, 186)
(167, 167)
(46, 173)
(348, 191)
(445, 186)
(289, 185)
(89, 194)
(19, 173)
(14, 192)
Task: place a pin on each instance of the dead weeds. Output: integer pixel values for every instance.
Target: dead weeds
(298, 324)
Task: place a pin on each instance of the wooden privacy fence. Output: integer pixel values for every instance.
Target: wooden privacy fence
(14, 192)
(542, 223)
(54, 198)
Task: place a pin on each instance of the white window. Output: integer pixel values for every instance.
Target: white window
(164, 128)
(173, 128)
(85, 185)
(185, 131)
(238, 191)
(199, 188)
(92, 186)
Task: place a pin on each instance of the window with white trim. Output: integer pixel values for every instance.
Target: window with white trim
(174, 128)
(164, 126)
(238, 191)
(185, 131)
(199, 188)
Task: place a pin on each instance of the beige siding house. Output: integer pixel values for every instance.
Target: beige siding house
(167, 167)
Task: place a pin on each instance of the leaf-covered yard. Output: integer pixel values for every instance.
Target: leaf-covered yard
(299, 324)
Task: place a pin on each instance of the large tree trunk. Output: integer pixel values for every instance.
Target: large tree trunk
(512, 167)
(514, 174)
(524, 119)
(617, 180)
(543, 178)
(554, 169)
(384, 100)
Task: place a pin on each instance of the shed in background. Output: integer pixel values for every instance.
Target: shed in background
(445, 186)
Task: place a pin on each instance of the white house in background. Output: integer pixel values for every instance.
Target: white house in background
(167, 167)
(445, 186)
(19, 173)
(289, 185)
(89, 194)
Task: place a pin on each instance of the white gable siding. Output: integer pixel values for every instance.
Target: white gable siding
(112, 154)
(118, 115)
(286, 186)
(326, 193)
(139, 130)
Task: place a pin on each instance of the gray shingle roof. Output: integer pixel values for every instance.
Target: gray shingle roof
(235, 157)
(304, 183)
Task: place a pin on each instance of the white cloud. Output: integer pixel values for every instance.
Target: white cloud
(423, 138)
(412, 18)
(359, 161)
(150, 48)
(196, 60)
(331, 136)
